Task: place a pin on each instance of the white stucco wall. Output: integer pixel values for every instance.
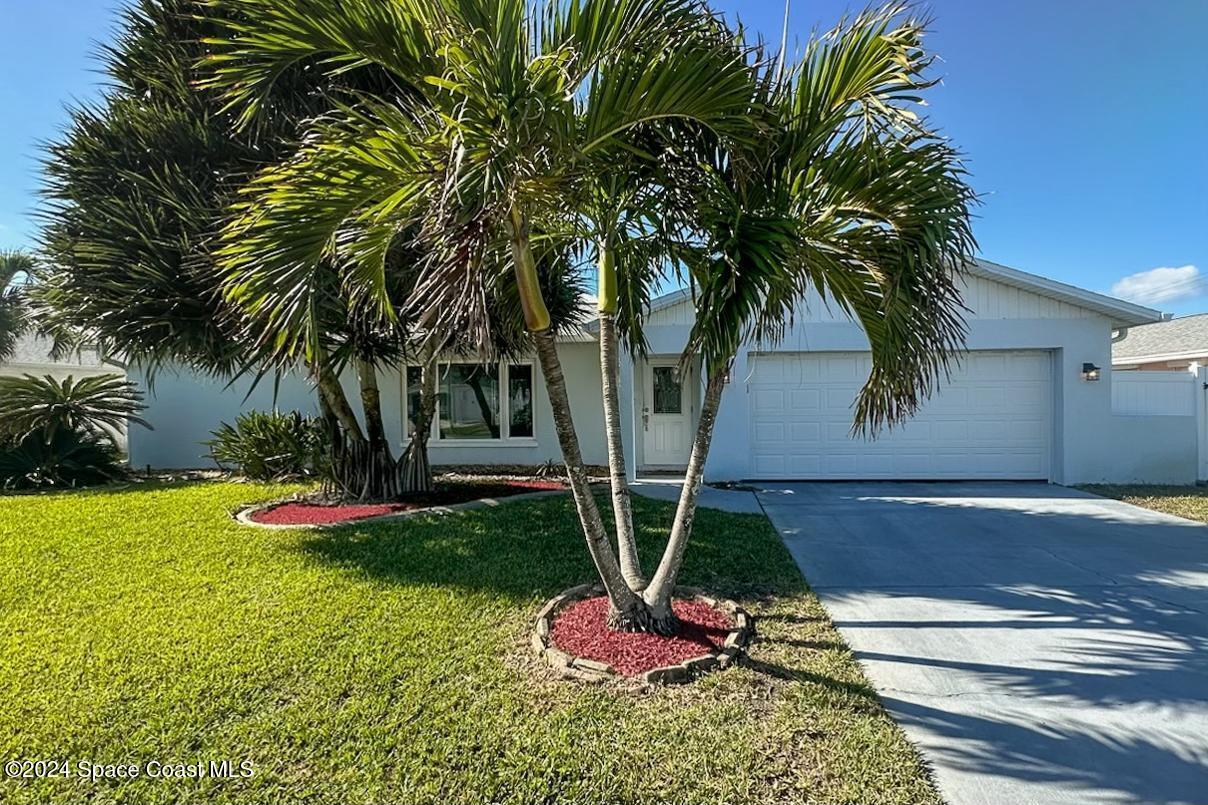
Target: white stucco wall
(185, 408)
(1089, 444)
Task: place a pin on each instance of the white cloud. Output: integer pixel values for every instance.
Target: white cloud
(1160, 285)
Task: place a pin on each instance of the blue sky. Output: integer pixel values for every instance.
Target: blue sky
(1084, 122)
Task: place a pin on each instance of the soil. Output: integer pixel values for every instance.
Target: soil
(581, 631)
(302, 512)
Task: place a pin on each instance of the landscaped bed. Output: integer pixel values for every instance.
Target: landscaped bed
(447, 493)
(581, 630)
(389, 661)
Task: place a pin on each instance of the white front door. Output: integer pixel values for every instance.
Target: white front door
(666, 415)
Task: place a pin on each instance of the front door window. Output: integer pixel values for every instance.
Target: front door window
(668, 394)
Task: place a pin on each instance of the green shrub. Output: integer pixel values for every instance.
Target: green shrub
(62, 458)
(267, 446)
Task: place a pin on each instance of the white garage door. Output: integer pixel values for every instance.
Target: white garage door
(993, 420)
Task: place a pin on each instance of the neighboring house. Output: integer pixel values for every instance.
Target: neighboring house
(1019, 405)
(33, 357)
(1170, 345)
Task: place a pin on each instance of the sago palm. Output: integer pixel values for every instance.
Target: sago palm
(101, 405)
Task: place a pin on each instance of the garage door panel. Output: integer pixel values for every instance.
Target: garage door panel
(956, 399)
(840, 368)
(840, 400)
(950, 430)
(993, 419)
(804, 465)
(805, 399)
(769, 432)
(805, 433)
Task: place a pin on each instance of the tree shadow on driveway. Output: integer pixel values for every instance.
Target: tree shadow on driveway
(1039, 643)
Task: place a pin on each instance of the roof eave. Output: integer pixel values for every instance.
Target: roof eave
(1159, 357)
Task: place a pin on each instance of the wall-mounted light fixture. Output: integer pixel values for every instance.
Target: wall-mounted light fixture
(1090, 372)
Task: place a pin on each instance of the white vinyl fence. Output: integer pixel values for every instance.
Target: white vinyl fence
(1153, 393)
(1161, 415)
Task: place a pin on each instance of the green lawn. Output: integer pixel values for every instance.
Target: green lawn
(389, 663)
(1185, 501)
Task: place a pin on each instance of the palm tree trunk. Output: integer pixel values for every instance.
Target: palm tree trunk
(628, 611)
(333, 394)
(662, 585)
(371, 401)
(417, 470)
(622, 508)
(379, 479)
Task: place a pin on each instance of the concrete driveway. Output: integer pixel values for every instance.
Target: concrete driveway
(1039, 644)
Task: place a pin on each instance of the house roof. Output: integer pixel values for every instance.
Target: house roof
(1184, 337)
(1121, 313)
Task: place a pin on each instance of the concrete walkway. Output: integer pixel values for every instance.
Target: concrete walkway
(1040, 645)
(710, 498)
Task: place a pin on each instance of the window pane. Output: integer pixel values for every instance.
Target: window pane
(667, 397)
(520, 401)
(469, 402)
(414, 389)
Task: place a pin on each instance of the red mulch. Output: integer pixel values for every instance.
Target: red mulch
(303, 513)
(318, 514)
(580, 630)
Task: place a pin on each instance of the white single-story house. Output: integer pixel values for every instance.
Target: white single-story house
(1169, 345)
(1031, 400)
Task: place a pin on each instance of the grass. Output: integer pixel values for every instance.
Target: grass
(389, 663)
(1184, 501)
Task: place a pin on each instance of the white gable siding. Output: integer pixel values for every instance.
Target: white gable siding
(989, 299)
(986, 299)
(678, 314)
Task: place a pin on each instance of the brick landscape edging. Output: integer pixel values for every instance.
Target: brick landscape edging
(244, 515)
(589, 670)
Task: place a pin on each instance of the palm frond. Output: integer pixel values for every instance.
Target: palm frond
(334, 209)
(265, 39)
(853, 197)
(14, 308)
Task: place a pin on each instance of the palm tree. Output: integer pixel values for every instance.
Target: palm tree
(135, 191)
(13, 309)
(501, 109)
(853, 196)
(507, 119)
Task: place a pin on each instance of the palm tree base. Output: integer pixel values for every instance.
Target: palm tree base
(589, 646)
(643, 618)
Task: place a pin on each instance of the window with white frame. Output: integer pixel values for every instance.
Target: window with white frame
(476, 402)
